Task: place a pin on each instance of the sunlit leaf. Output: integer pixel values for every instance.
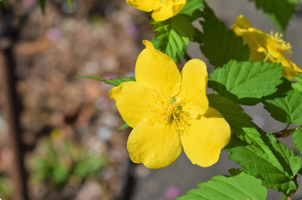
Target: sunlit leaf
(298, 139)
(298, 84)
(246, 82)
(286, 109)
(238, 187)
(172, 35)
(268, 159)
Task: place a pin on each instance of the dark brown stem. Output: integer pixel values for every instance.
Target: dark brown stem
(11, 112)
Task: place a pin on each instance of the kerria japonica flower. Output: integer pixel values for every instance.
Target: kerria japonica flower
(169, 110)
(266, 47)
(162, 9)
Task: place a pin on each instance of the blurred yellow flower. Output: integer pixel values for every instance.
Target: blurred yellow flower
(266, 47)
(162, 9)
(170, 110)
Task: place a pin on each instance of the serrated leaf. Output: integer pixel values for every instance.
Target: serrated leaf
(219, 44)
(290, 162)
(192, 9)
(298, 139)
(268, 159)
(246, 82)
(114, 82)
(233, 114)
(256, 163)
(241, 186)
(70, 4)
(286, 109)
(42, 5)
(280, 12)
(123, 126)
(173, 35)
(298, 84)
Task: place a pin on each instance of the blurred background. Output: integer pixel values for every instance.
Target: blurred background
(58, 134)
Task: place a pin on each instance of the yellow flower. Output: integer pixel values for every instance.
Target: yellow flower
(162, 9)
(266, 47)
(168, 111)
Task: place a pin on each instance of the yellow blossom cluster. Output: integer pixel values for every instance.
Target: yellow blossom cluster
(162, 9)
(266, 47)
(169, 111)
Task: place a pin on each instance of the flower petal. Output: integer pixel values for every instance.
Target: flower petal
(145, 5)
(157, 69)
(242, 22)
(168, 9)
(193, 86)
(206, 137)
(133, 101)
(290, 68)
(153, 144)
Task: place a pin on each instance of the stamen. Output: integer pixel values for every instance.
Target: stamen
(282, 46)
(169, 110)
(173, 100)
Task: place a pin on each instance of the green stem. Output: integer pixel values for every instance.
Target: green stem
(292, 130)
(287, 126)
(267, 56)
(284, 198)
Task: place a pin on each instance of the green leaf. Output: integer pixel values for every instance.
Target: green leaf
(268, 159)
(4, 4)
(123, 126)
(286, 109)
(192, 9)
(173, 35)
(155, 43)
(114, 82)
(219, 44)
(241, 186)
(280, 12)
(70, 4)
(246, 82)
(298, 139)
(42, 5)
(233, 114)
(298, 84)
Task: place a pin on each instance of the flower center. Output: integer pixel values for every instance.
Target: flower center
(281, 45)
(169, 110)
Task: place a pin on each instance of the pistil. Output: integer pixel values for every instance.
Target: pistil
(169, 110)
